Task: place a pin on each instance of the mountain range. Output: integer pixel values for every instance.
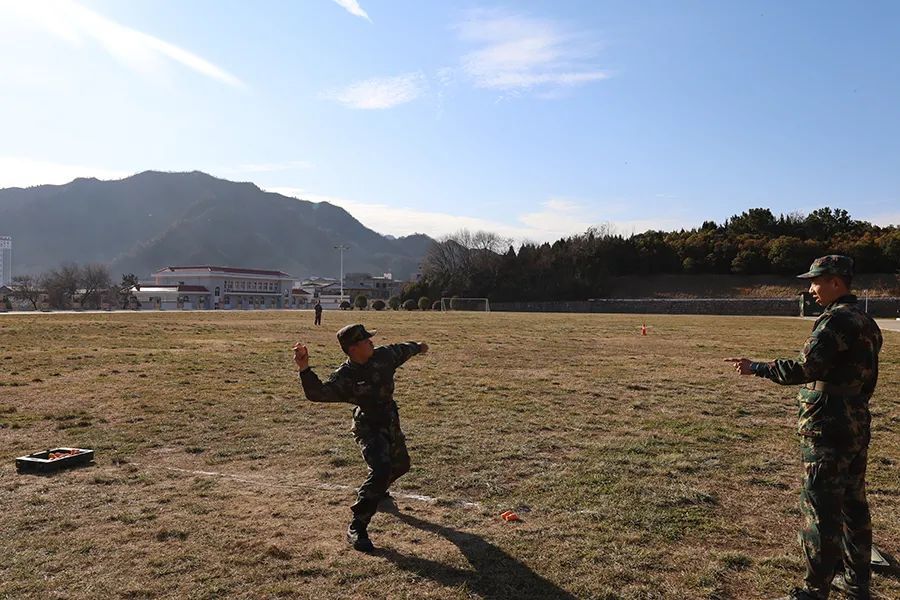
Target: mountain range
(153, 219)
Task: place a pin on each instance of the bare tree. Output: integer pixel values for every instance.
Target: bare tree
(488, 241)
(93, 282)
(603, 230)
(25, 288)
(486, 247)
(447, 264)
(61, 285)
(459, 260)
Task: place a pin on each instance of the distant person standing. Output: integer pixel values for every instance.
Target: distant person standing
(839, 367)
(366, 380)
(318, 309)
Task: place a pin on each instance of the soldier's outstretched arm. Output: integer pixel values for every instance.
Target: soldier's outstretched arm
(336, 389)
(813, 363)
(403, 352)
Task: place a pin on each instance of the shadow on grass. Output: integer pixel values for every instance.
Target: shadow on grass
(891, 571)
(494, 573)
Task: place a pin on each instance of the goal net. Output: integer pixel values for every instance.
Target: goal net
(472, 304)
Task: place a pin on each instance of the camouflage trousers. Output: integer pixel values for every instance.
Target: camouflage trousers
(837, 527)
(384, 450)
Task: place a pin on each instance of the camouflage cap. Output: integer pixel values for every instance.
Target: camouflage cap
(833, 264)
(349, 335)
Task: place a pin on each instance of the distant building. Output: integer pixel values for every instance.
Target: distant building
(7, 292)
(5, 260)
(327, 290)
(324, 290)
(209, 287)
(372, 287)
(314, 285)
(300, 298)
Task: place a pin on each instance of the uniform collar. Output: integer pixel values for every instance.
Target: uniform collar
(356, 365)
(845, 299)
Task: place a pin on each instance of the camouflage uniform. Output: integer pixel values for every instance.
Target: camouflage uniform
(839, 365)
(376, 420)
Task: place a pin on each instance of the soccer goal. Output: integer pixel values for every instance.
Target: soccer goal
(473, 304)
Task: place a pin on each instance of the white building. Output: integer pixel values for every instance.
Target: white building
(210, 287)
(324, 290)
(5, 260)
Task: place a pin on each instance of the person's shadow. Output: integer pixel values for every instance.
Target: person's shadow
(892, 569)
(494, 573)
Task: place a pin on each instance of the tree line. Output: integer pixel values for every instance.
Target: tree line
(393, 303)
(484, 264)
(87, 286)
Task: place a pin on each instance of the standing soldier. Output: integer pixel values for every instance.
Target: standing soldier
(318, 310)
(366, 379)
(839, 367)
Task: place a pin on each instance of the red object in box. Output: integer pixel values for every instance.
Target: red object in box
(41, 462)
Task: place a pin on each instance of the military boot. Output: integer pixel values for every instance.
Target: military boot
(797, 594)
(358, 537)
(388, 504)
(842, 584)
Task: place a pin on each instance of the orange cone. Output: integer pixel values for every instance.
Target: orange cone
(643, 329)
(509, 516)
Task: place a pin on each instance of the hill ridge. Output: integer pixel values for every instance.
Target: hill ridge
(155, 218)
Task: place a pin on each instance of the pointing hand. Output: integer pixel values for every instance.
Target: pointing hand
(741, 365)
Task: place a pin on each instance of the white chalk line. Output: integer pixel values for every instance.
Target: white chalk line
(314, 486)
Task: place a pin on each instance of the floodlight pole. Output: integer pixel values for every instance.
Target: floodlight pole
(342, 247)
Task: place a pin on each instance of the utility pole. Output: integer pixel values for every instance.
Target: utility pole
(342, 247)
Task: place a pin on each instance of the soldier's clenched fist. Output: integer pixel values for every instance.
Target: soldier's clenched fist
(301, 356)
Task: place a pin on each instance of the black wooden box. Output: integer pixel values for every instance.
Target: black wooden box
(53, 459)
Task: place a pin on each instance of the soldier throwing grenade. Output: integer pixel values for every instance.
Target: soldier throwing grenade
(366, 379)
(839, 367)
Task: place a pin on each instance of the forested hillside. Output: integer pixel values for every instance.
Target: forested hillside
(755, 242)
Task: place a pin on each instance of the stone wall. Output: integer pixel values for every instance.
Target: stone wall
(878, 307)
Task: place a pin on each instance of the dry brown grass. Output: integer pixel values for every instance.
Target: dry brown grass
(641, 466)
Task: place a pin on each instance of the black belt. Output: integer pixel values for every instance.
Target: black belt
(833, 388)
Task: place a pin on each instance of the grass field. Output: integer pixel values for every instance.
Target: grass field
(642, 466)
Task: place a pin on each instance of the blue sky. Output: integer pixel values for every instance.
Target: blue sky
(532, 119)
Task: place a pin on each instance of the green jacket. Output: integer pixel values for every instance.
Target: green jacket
(370, 386)
(842, 355)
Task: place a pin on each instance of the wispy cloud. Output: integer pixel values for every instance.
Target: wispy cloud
(289, 165)
(555, 219)
(142, 52)
(380, 92)
(561, 217)
(884, 219)
(516, 53)
(353, 7)
(401, 221)
(17, 171)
